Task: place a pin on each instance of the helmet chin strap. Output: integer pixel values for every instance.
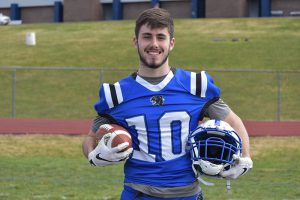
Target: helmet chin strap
(204, 165)
(228, 186)
(213, 171)
(228, 183)
(203, 181)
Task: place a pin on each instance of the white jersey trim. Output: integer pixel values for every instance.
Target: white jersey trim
(193, 83)
(108, 95)
(119, 92)
(203, 84)
(198, 84)
(158, 87)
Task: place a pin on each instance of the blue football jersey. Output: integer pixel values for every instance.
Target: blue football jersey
(159, 119)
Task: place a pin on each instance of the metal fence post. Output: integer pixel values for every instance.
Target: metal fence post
(101, 76)
(14, 77)
(278, 96)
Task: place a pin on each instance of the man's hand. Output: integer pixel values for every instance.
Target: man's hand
(103, 155)
(241, 166)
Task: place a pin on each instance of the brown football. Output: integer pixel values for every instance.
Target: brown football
(118, 133)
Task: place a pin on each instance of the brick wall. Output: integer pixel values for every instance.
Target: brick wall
(286, 6)
(79, 10)
(226, 8)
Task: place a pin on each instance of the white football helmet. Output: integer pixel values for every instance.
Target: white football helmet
(213, 145)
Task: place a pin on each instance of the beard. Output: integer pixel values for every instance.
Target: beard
(152, 64)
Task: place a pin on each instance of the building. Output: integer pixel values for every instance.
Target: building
(38, 11)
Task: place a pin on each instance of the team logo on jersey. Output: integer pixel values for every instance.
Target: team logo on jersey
(157, 100)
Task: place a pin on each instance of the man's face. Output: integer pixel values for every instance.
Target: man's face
(154, 46)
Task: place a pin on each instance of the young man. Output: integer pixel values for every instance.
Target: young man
(159, 106)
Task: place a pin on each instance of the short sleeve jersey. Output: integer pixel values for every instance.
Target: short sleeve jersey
(159, 119)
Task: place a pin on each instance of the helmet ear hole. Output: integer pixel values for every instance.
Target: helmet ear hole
(197, 167)
(227, 167)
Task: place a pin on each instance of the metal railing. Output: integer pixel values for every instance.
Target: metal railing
(105, 75)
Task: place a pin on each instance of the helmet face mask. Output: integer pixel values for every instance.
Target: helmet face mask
(212, 146)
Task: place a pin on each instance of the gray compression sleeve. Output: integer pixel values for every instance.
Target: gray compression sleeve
(217, 110)
(100, 120)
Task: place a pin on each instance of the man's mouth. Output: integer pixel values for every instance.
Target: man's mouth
(153, 52)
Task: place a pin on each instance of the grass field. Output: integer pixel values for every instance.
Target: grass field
(53, 167)
(270, 43)
(257, 44)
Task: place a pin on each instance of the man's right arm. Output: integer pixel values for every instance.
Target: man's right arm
(91, 140)
(95, 149)
(89, 143)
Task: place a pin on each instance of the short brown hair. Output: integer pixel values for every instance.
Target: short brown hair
(155, 18)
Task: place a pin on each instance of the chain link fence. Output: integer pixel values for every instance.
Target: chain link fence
(70, 92)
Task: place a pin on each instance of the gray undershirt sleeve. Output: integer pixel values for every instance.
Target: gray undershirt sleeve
(217, 110)
(100, 120)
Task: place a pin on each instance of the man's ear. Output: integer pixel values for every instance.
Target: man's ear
(135, 42)
(172, 44)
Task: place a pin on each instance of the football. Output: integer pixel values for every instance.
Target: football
(118, 135)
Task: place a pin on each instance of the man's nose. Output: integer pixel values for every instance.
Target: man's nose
(154, 42)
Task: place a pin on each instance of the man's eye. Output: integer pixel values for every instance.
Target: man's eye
(161, 37)
(147, 37)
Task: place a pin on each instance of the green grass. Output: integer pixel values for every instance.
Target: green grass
(53, 167)
(261, 44)
(272, 44)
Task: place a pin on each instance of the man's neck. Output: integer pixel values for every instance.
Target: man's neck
(149, 72)
(154, 80)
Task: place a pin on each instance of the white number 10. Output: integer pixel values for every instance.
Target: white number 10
(173, 133)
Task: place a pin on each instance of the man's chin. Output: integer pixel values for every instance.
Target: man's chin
(154, 66)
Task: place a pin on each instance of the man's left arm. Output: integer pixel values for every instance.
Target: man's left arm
(237, 124)
(242, 164)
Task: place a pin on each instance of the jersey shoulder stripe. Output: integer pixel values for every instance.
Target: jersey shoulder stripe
(113, 94)
(198, 84)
